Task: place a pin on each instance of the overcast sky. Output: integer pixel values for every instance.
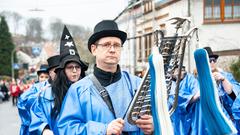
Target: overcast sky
(82, 12)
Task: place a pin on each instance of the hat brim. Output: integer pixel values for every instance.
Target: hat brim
(51, 67)
(42, 71)
(214, 56)
(106, 33)
(84, 65)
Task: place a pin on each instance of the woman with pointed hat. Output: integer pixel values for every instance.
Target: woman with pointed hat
(46, 108)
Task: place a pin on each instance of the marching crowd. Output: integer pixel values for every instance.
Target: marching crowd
(67, 101)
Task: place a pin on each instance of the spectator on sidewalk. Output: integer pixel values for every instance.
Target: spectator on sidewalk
(15, 91)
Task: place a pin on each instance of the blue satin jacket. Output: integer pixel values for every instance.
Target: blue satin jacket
(41, 113)
(85, 112)
(25, 102)
(181, 118)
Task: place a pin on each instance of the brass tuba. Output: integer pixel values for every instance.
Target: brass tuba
(172, 50)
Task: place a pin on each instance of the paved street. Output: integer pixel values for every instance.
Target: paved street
(9, 120)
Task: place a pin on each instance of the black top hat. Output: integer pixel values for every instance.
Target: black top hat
(210, 53)
(53, 61)
(106, 28)
(68, 51)
(43, 69)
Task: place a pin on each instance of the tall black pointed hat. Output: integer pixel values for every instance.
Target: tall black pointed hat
(68, 51)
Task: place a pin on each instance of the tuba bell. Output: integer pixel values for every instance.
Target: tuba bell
(172, 50)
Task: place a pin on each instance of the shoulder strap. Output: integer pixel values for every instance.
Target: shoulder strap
(129, 83)
(103, 92)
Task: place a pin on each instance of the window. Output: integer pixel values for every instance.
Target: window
(144, 44)
(221, 10)
(163, 3)
(147, 6)
(147, 46)
(139, 49)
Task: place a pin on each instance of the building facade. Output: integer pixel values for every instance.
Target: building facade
(218, 22)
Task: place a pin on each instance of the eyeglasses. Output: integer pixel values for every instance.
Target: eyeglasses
(72, 67)
(212, 60)
(108, 45)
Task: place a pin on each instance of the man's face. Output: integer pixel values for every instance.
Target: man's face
(212, 62)
(107, 50)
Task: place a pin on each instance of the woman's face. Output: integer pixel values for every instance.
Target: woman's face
(73, 71)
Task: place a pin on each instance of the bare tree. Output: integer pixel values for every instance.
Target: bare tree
(81, 35)
(13, 17)
(56, 27)
(6, 14)
(16, 19)
(34, 29)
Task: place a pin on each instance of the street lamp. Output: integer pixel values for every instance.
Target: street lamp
(12, 61)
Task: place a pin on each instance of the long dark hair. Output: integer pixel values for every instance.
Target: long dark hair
(60, 87)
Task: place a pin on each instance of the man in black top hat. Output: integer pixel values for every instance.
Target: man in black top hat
(225, 80)
(228, 89)
(99, 101)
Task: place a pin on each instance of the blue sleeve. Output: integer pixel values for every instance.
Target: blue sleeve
(39, 120)
(24, 104)
(22, 110)
(73, 122)
(226, 99)
(186, 92)
(236, 109)
(235, 84)
(24, 116)
(236, 113)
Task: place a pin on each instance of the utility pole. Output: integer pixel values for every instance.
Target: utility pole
(188, 27)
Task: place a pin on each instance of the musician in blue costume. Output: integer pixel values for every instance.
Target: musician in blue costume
(45, 110)
(85, 111)
(228, 87)
(28, 97)
(227, 90)
(181, 118)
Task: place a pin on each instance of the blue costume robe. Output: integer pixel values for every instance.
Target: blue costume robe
(236, 113)
(41, 113)
(85, 112)
(25, 102)
(198, 126)
(181, 118)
